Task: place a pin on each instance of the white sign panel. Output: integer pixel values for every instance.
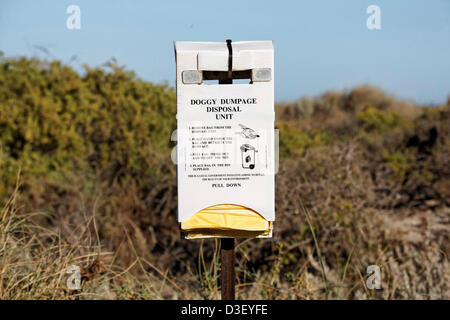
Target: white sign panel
(225, 147)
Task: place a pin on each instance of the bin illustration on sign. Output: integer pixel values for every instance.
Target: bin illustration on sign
(248, 156)
(223, 130)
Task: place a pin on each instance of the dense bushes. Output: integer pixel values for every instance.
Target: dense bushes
(55, 123)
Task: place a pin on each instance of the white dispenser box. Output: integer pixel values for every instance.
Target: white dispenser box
(225, 134)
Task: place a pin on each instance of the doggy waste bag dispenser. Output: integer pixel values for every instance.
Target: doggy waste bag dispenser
(225, 139)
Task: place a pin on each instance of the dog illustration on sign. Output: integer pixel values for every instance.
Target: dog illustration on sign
(247, 132)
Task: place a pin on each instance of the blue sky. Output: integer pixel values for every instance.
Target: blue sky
(319, 45)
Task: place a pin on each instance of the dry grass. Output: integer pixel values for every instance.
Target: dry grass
(320, 261)
(34, 262)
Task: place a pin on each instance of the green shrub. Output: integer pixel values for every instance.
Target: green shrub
(55, 123)
(295, 142)
(399, 162)
(373, 119)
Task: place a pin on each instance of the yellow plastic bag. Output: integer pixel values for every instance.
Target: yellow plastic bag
(226, 220)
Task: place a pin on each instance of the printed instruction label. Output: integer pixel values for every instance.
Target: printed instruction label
(225, 148)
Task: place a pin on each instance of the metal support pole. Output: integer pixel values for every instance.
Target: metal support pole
(227, 268)
(227, 253)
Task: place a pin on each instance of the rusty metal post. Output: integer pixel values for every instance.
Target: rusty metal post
(227, 244)
(227, 268)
